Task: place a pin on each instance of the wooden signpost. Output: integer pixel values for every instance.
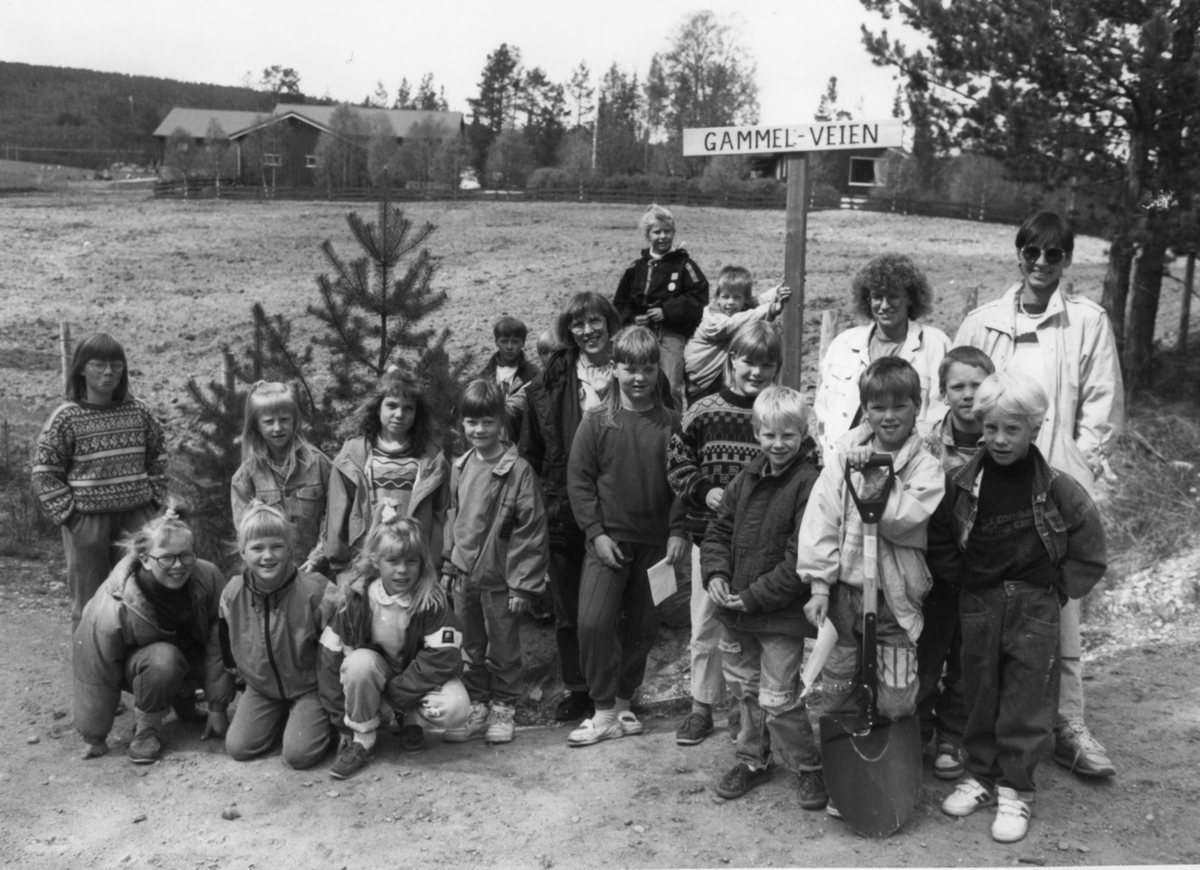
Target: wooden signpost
(794, 141)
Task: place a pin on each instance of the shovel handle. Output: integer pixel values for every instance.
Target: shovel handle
(871, 509)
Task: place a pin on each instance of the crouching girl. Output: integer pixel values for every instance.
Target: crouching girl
(151, 629)
(270, 626)
(392, 638)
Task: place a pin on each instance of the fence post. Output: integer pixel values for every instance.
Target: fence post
(829, 327)
(65, 350)
(1185, 306)
(227, 370)
(970, 301)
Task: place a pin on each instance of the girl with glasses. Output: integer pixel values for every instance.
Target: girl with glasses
(151, 630)
(101, 465)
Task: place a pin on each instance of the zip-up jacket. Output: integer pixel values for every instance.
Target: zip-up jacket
(704, 354)
(831, 535)
(272, 639)
(752, 544)
(515, 552)
(302, 498)
(1064, 515)
(1082, 377)
(119, 620)
(672, 282)
(348, 517)
(432, 653)
(514, 391)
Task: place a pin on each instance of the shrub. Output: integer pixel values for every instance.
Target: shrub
(549, 178)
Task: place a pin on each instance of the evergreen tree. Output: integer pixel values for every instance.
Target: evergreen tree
(427, 98)
(618, 147)
(495, 107)
(581, 92)
(403, 96)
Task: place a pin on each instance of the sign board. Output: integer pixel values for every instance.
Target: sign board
(817, 136)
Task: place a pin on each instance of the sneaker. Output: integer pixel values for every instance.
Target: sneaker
(741, 779)
(588, 734)
(969, 796)
(813, 795)
(412, 738)
(630, 725)
(500, 727)
(832, 811)
(950, 761)
(734, 723)
(475, 726)
(146, 746)
(694, 728)
(1078, 751)
(574, 705)
(1012, 817)
(352, 758)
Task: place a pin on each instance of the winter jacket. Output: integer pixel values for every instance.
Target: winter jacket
(752, 544)
(119, 620)
(831, 536)
(704, 354)
(849, 355)
(348, 517)
(940, 443)
(302, 497)
(1083, 375)
(271, 640)
(673, 283)
(1064, 515)
(97, 459)
(432, 651)
(553, 416)
(515, 553)
(514, 391)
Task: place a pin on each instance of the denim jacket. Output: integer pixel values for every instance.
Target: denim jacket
(1064, 515)
(302, 497)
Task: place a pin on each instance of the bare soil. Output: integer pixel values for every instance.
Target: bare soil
(175, 281)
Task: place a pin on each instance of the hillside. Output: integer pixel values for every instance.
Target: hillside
(87, 118)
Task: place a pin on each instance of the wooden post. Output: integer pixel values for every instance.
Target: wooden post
(65, 351)
(829, 329)
(970, 301)
(793, 268)
(228, 371)
(1185, 304)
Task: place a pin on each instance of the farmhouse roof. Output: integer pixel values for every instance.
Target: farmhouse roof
(401, 120)
(196, 121)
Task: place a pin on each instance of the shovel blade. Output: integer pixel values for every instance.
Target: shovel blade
(874, 777)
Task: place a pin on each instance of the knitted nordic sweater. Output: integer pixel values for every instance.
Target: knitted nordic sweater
(97, 459)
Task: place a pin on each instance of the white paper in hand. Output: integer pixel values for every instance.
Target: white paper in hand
(662, 581)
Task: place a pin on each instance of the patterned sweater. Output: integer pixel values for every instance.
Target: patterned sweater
(95, 459)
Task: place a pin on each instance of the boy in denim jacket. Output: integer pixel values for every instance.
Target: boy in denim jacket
(1019, 538)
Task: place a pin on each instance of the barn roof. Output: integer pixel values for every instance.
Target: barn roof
(401, 120)
(196, 121)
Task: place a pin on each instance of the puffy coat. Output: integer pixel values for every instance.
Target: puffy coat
(119, 620)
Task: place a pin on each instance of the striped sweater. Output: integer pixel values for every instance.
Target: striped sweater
(95, 459)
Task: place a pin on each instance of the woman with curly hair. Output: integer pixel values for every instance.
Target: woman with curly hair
(893, 293)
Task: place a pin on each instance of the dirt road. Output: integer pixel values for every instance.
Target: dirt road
(637, 802)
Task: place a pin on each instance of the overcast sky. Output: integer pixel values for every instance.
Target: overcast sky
(342, 48)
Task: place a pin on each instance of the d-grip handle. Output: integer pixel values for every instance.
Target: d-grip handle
(871, 509)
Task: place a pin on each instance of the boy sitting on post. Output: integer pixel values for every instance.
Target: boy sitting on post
(510, 370)
(1018, 538)
(831, 542)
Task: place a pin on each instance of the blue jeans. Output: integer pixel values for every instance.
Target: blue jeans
(1010, 669)
(769, 700)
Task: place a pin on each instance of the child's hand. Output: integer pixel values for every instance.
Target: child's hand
(677, 549)
(216, 725)
(718, 591)
(519, 604)
(654, 315)
(859, 456)
(608, 552)
(782, 293)
(817, 609)
(433, 705)
(309, 567)
(713, 500)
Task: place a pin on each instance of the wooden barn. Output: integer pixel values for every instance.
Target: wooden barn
(856, 171)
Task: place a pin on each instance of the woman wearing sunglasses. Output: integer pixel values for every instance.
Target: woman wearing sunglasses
(1065, 342)
(892, 293)
(101, 466)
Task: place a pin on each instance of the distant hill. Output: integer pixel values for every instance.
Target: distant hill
(82, 117)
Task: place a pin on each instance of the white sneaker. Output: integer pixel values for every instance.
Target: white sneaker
(969, 796)
(1012, 817)
(500, 727)
(476, 726)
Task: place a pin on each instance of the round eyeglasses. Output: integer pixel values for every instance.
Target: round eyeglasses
(168, 561)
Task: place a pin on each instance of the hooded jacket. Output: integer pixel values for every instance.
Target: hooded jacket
(752, 544)
(1082, 378)
(119, 620)
(515, 552)
(831, 536)
(271, 639)
(348, 518)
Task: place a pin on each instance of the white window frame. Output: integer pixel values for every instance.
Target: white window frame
(874, 173)
(270, 158)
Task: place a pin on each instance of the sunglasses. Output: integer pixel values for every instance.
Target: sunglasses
(1031, 254)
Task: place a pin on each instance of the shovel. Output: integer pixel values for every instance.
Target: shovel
(872, 764)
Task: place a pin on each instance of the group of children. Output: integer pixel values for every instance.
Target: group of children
(435, 561)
